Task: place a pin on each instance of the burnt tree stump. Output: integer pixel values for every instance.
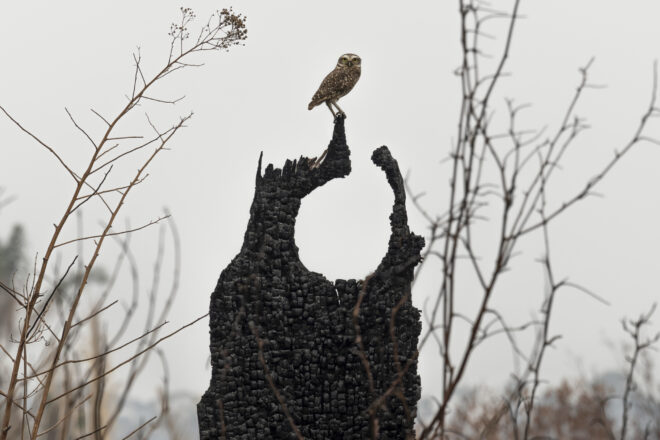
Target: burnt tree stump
(289, 347)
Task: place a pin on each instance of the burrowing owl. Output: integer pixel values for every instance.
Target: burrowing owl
(338, 82)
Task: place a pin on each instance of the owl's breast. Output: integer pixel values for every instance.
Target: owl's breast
(348, 81)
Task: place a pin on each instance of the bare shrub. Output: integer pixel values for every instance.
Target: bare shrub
(57, 380)
(500, 174)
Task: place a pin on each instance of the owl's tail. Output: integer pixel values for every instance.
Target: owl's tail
(311, 105)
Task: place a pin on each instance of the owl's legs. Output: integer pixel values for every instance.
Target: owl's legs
(317, 161)
(330, 107)
(334, 102)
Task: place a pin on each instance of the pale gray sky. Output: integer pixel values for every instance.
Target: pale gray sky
(78, 54)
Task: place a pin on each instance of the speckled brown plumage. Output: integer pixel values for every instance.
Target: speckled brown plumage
(338, 82)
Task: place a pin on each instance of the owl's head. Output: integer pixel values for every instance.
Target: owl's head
(349, 60)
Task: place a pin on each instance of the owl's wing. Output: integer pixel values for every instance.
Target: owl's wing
(328, 89)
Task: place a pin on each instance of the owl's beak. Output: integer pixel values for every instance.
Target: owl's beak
(350, 64)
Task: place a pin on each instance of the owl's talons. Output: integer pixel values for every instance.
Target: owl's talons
(340, 115)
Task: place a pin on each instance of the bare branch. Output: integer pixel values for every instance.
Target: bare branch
(99, 115)
(101, 355)
(152, 222)
(46, 146)
(45, 306)
(127, 360)
(65, 416)
(634, 328)
(139, 428)
(95, 313)
(81, 129)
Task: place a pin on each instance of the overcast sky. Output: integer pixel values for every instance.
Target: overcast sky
(77, 54)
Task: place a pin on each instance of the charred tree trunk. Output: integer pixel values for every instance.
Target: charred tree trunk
(294, 354)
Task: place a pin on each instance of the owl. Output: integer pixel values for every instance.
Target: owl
(338, 82)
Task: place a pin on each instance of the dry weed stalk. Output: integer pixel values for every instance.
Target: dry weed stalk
(110, 149)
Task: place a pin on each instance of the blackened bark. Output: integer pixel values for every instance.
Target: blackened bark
(306, 326)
